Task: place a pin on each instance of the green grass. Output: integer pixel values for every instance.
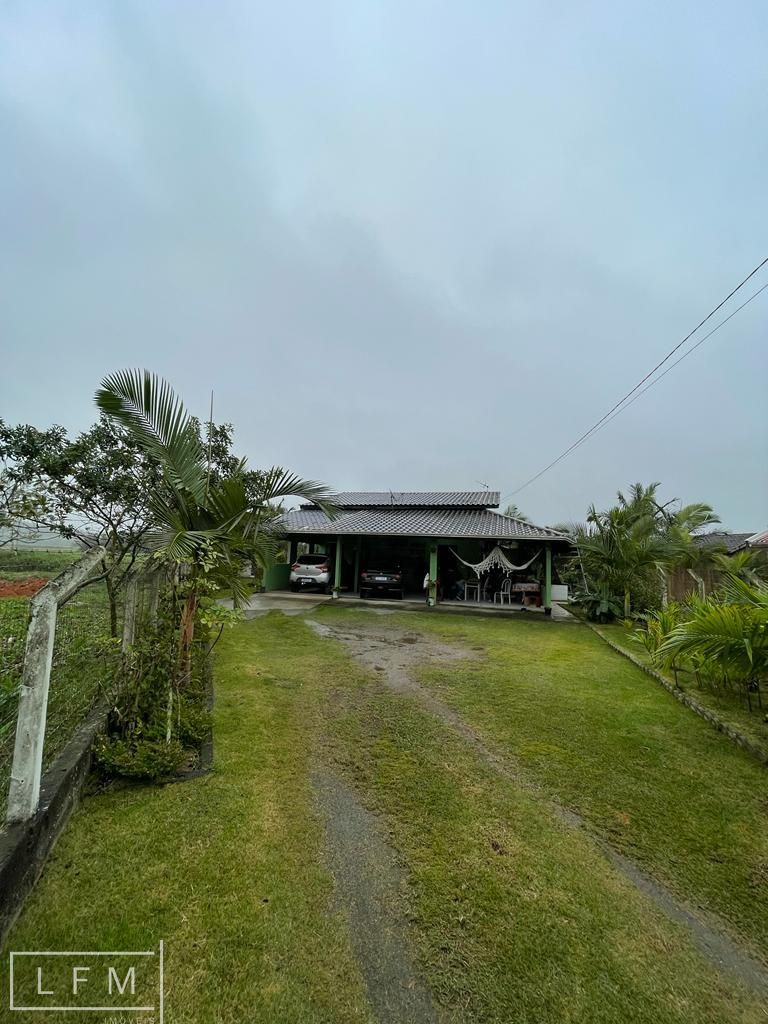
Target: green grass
(22, 564)
(606, 740)
(728, 705)
(226, 869)
(515, 917)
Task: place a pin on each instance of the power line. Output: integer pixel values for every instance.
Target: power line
(595, 426)
(685, 354)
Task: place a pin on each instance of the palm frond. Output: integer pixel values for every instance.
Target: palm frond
(280, 483)
(695, 517)
(147, 406)
(740, 591)
(731, 635)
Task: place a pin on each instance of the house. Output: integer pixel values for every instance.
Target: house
(442, 535)
(730, 543)
(705, 578)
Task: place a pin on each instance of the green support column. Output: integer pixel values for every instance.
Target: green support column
(356, 581)
(433, 598)
(548, 580)
(337, 570)
(292, 544)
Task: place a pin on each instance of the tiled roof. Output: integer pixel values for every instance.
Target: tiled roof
(416, 499)
(730, 542)
(415, 522)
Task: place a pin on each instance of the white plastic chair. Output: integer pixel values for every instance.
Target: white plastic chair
(505, 591)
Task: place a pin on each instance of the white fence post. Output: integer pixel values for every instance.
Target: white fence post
(26, 771)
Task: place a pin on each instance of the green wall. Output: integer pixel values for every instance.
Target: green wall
(277, 577)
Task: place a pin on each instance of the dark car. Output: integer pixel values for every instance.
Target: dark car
(382, 582)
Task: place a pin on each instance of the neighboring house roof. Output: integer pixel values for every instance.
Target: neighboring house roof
(415, 499)
(437, 522)
(731, 542)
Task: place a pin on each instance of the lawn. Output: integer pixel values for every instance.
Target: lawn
(603, 738)
(513, 916)
(225, 869)
(729, 705)
(35, 562)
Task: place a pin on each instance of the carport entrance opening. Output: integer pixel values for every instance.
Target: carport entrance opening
(406, 554)
(442, 537)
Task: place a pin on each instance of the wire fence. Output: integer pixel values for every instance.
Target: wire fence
(14, 617)
(85, 665)
(86, 658)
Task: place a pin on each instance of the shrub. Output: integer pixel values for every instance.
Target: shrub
(194, 726)
(601, 606)
(139, 759)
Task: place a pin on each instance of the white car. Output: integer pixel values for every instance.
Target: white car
(311, 570)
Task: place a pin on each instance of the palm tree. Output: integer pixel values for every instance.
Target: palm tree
(620, 544)
(204, 523)
(514, 513)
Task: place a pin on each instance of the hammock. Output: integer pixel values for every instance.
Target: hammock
(495, 560)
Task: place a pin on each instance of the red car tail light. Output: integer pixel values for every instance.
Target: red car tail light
(296, 566)
(323, 568)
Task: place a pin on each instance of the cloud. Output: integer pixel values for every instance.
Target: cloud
(404, 253)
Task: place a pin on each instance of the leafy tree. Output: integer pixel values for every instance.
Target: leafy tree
(514, 513)
(16, 505)
(95, 488)
(92, 489)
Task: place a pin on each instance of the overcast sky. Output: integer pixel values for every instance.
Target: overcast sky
(408, 244)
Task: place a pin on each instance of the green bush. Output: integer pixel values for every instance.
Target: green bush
(600, 606)
(139, 759)
(195, 724)
(157, 723)
(647, 591)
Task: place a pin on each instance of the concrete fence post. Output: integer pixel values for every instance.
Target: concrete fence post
(27, 767)
(154, 597)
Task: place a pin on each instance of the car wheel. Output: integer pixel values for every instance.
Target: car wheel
(295, 587)
(363, 594)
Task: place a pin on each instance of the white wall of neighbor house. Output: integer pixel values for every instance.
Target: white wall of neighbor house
(559, 591)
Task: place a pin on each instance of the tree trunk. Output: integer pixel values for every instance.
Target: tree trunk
(627, 602)
(112, 598)
(186, 636)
